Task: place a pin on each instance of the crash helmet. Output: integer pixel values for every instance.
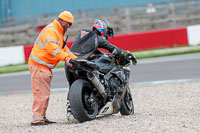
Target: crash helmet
(103, 28)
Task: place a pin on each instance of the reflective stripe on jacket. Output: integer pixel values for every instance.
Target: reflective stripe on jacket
(47, 50)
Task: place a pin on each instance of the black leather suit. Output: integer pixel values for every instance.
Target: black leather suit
(85, 44)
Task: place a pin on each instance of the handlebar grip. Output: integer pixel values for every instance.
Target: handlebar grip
(134, 62)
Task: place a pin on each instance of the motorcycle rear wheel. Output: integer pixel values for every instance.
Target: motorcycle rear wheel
(127, 106)
(80, 94)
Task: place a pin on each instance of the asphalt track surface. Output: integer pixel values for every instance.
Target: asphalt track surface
(170, 68)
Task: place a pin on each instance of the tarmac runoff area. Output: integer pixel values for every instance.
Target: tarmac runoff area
(160, 107)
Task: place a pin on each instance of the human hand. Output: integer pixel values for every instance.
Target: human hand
(68, 62)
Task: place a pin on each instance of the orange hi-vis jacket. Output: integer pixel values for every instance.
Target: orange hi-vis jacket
(48, 48)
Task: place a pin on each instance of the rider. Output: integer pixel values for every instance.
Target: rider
(86, 44)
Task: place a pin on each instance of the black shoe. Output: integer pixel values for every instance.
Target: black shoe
(39, 123)
(49, 122)
(46, 122)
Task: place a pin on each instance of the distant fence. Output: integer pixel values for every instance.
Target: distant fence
(127, 19)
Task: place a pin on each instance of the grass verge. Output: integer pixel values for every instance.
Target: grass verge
(20, 67)
(149, 54)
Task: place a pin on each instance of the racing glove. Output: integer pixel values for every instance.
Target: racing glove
(132, 57)
(120, 52)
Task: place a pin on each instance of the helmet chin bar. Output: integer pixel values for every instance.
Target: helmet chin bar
(110, 32)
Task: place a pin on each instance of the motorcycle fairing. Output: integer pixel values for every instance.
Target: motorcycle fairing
(104, 62)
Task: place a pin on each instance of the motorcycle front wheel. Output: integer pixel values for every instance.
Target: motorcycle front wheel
(127, 106)
(82, 101)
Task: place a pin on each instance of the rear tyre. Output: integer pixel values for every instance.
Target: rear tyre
(83, 105)
(127, 106)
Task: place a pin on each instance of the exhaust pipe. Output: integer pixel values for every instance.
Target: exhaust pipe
(95, 81)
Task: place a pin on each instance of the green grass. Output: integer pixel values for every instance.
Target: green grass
(24, 67)
(150, 55)
(20, 67)
(13, 69)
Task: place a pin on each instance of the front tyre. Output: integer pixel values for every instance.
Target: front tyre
(83, 105)
(127, 106)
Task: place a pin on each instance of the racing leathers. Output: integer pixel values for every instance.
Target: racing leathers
(86, 43)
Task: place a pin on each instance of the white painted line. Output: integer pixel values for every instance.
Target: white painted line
(30, 91)
(164, 82)
(59, 89)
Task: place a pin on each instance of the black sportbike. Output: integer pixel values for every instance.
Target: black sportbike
(101, 87)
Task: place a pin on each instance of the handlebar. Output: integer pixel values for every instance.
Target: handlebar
(126, 57)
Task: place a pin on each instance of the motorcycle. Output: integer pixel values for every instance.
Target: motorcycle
(101, 87)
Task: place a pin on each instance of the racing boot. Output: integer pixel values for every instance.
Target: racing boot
(70, 116)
